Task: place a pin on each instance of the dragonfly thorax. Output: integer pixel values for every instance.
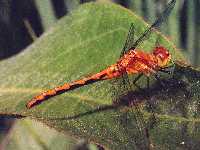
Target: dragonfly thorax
(137, 61)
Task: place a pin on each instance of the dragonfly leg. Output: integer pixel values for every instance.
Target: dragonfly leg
(157, 77)
(150, 104)
(165, 71)
(136, 79)
(171, 71)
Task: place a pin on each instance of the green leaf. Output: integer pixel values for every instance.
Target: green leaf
(87, 41)
(29, 134)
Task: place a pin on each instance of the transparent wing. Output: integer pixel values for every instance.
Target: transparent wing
(155, 25)
(132, 119)
(129, 40)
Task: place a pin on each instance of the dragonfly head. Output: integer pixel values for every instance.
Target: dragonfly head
(162, 55)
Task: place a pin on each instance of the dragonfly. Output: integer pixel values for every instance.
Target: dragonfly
(132, 61)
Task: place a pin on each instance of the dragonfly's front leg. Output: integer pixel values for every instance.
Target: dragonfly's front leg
(171, 71)
(157, 77)
(137, 79)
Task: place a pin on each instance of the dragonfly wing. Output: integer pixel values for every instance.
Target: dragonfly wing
(155, 25)
(132, 119)
(129, 40)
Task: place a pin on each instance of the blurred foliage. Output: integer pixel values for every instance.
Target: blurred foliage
(29, 134)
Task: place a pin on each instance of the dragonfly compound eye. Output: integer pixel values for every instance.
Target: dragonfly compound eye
(162, 55)
(161, 52)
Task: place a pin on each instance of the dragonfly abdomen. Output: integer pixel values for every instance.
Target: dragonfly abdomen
(109, 73)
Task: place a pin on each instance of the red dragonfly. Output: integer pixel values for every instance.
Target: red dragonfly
(132, 61)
